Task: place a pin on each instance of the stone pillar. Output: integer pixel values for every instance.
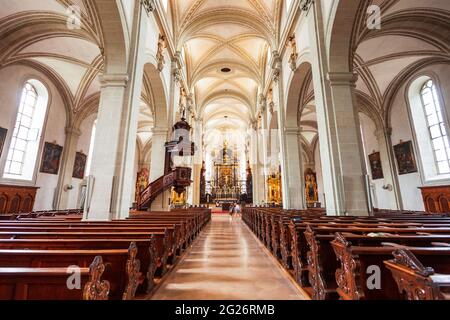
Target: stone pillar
(157, 166)
(158, 153)
(66, 171)
(389, 169)
(198, 160)
(339, 129)
(295, 169)
(263, 142)
(254, 165)
(291, 180)
(112, 181)
(100, 204)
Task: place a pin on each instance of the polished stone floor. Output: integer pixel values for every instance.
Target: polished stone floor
(227, 263)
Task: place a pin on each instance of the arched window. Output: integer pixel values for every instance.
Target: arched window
(24, 146)
(436, 126)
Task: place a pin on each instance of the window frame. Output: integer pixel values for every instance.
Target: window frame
(435, 92)
(17, 127)
(40, 142)
(426, 165)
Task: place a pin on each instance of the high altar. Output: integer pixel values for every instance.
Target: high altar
(226, 173)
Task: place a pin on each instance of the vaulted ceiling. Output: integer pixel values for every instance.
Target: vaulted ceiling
(36, 33)
(412, 35)
(226, 45)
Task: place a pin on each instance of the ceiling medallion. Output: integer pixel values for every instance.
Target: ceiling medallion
(225, 70)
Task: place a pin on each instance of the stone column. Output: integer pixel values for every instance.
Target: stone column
(158, 153)
(291, 180)
(112, 181)
(254, 164)
(295, 169)
(103, 179)
(263, 142)
(339, 129)
(389, 169)
(198, 160)
(66, 170)
(157, 166)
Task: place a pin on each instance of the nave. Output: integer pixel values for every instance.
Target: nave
(227, 262)
(126, 124)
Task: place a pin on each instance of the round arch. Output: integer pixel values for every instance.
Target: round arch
(157, 94)
(344, 19)
(115, 35)
(296, 94)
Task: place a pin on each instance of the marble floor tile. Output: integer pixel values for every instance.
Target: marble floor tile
(227, 262)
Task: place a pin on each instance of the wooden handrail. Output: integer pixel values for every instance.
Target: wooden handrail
(179, 177)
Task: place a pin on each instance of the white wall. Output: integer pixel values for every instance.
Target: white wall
(84, 142)
(402, 130)
(10, 93)
(318, 170)
(381, 197)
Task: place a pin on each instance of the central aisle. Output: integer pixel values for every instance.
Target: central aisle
(227, 263)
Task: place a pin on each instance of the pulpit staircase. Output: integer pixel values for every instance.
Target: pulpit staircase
(179, 178)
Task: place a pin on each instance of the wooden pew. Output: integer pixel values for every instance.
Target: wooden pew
(122, 268)
(328, 260)
(51, 283)
(418, 282)
(42, 241)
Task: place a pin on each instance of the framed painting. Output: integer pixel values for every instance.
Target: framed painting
(3, 133)
(79, 166)
(51, 158)
(375, 166)
(406, 161)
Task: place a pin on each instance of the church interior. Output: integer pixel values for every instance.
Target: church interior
(224, 149)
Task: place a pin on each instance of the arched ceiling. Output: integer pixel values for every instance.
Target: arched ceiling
(36, 33)
(233, 34)
(412, 33)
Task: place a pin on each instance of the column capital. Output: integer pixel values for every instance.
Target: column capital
(198, 119)
(72, 131)
(160, 131)
(292, 131)
(342, 78)
(114, 80)
(383, 132)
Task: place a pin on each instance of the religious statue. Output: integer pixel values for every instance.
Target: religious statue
(294, 55)
(311, 188)
(160, 53)
(270, 101)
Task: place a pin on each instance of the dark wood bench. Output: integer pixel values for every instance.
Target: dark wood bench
(321, 259)
(122, 268)
(354, 261)
(51, 283)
